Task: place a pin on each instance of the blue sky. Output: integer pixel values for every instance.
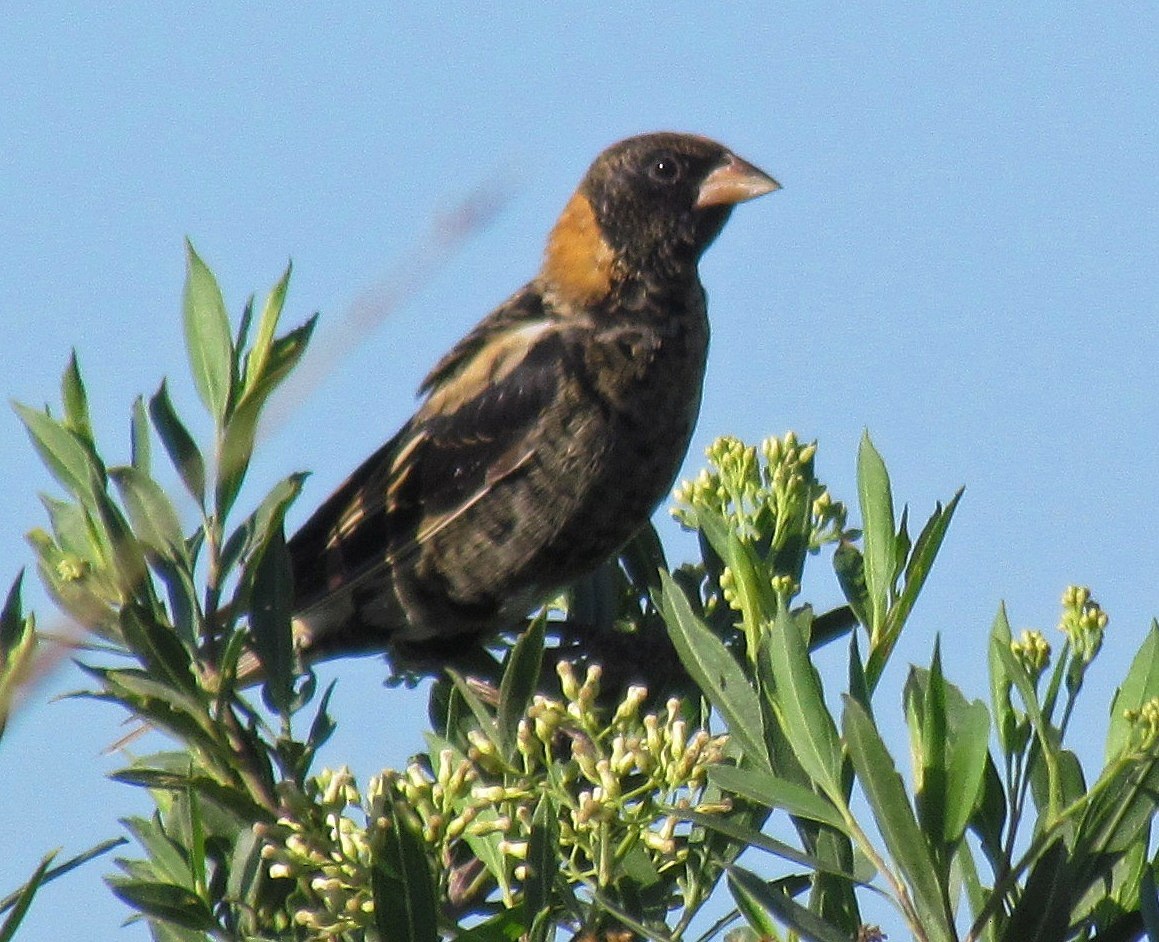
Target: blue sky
(963, 260)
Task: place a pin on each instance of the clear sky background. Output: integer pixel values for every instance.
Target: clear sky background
(964, 260)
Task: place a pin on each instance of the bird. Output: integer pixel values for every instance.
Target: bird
(547, 436)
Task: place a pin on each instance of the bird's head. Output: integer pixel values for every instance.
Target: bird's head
(648, 205)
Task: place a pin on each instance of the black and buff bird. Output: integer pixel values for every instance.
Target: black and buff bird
(548, 435)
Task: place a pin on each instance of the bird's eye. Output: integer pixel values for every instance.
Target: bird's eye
(664, 168)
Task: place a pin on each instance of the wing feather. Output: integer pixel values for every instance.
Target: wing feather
(474, 430)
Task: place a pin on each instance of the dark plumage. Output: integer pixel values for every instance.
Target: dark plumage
(548, 435)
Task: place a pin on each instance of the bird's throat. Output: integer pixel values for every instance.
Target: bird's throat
(579, 265)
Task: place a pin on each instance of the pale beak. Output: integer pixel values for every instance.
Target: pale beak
(734, 181)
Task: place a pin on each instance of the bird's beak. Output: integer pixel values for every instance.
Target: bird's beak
(734, 181)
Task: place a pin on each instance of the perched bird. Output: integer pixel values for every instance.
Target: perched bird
(548, 435)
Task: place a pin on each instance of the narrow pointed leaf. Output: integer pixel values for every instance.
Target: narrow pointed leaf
(1139, 686)
(270, 604)
(140, 446)
(153, 517)
(487, 724)
(1149, 904)
(405, 908)
(771, 791)
(715, 671)
(755, 913)
(879, 535)
(207, 336)
(925, 550)
(164, 901)
(968, 755)
(22, 898)
(62, 452)
(183, 452)
(520, 679)
(243, 333)
(895, 820)
(754, 894)
(1000, 682)
(849, 565)
(267, 326)
(542, 862)
(159, 650)
(800, 702)
(745, 836)
(12, 624)
(269, 514)
(76, 404)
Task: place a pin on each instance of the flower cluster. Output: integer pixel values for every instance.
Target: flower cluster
(769, 496)
(1145, 721)
(1083, 622)
(325, 841)
(763, 500)
(1032, 651)
(611, 784)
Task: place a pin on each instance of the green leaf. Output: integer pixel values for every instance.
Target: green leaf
(1047, 736)
(752, 895)
(159, 650)
(22, 898)
(772, 791)
(183, 452)
(977, 895)
(269, 515)
(486, 722)
(968, 755)
(235, 453)
(142, 685)
(245, 868)
(243, 332)
(405, 907)
(228, 798)
(1043, 912)
(989, 817)
(800, 702)
(285, 353)
(121, 551)
(926, 717)
(152, 515)
(263, 342)
(139, 444)
(63, 453)
(747, 837)
(879, 535)
(485, 847)
(207, 336)
(715, 671)
(270, 607)
(921, 561)
(19, 900)
(755, 913)
(164, 901)
(520, 679)
(1140, 685)
(12, 623)
(76, 404)
(895, 820)
(1149, 904)
(1126, 798)
(1005, 720)
(750, 585)
(542, 860)
(849, 566)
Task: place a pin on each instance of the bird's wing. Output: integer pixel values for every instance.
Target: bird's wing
(475, 429)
